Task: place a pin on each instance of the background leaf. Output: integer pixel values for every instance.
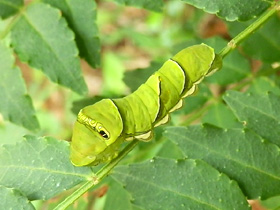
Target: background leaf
(179, 184)
(232, 10)
(117, 197)
(13, 199)
(272, 203)
(9, 7)
(241, 154)
(263, 85)
(170, 150)
(39, 167)
(16, 106)
(48, 45)
(11, 133)
(259, 112)
(221, 116)
(146, 4)
(81, 18)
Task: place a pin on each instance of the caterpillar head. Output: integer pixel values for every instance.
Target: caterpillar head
(97, 126)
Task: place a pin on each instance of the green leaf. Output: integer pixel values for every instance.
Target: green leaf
(221, 116)
(162, 184)
(232, 10)
(262, 85)
(39, 167)
(81, 18)
(156, 6)
(9, 7)
(264, 44)
(170, 150)
(13, 199)
(272, 203)
(117, 198)
(16, 106)
(259, 112)
(48, 44)
(241, 154)
(11, 133)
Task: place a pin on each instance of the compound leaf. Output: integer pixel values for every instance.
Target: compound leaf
(241, 154)
(16, 106)
(117, 197)
(39, 167)
(13, 199)
(259, 112)
(48, 44)
(81, 18)
(232, 10)
(162, 184)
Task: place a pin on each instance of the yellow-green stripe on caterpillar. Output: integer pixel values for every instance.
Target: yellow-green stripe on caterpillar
(101, 128)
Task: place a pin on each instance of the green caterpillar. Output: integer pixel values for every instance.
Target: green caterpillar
(101, 128)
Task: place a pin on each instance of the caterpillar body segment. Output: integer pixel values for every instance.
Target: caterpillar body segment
(141, 108)
(102, 127)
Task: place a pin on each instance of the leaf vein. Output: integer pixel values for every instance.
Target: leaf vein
(169, 190)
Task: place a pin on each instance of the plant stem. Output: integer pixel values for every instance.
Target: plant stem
(102, 173)
(249, 30)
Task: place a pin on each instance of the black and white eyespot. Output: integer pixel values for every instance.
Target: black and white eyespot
(103, 134)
